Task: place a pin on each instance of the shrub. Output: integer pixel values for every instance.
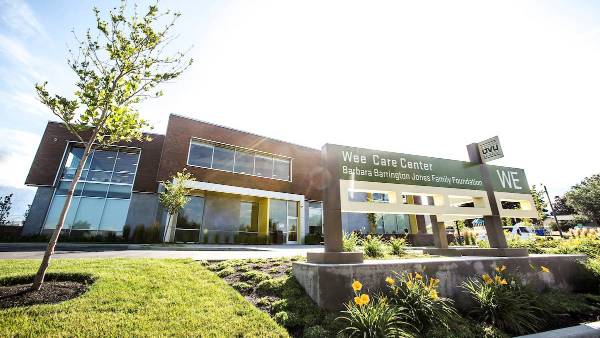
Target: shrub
(139, 233)
(313, 239)
(220, 266)
(349, 242)
(374, 247)
(126, 232)
(242, 287)
(504, 302)
(316, 331)
(255, 276)
(274, 286)
(281, 318)
(418, 295)
(226, 272)
(280, 305)
(264, 302)
(398, 246)
(153, 233)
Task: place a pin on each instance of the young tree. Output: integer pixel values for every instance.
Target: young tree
(174, 197)
(5, 206)
(540, 204)
(117, 66)
(585, 197)
(561, 207)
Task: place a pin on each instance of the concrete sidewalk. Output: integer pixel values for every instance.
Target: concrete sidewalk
(209, 252)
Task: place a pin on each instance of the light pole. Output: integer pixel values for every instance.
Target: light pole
(553, 213)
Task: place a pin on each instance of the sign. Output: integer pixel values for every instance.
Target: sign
(361, 164)
(490, 149)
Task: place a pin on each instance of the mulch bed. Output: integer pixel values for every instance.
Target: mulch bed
(51, 292)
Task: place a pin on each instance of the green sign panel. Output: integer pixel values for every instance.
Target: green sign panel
(386, 167)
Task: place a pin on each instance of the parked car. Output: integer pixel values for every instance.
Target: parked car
(520, 229)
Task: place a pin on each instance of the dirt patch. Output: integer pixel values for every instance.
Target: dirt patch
(51, 292)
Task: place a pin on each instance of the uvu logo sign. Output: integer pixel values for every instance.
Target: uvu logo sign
(490, 149)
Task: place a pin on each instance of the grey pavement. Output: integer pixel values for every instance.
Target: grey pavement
(209, 252)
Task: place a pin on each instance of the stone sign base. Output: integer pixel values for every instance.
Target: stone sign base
(329, 285)
(487, 252)
(334, 257)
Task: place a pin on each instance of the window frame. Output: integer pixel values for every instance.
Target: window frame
(254, 152)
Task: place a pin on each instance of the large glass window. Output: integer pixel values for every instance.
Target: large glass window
(189, 220)
(98, 205)
(277, 215)
(223, 159)
(240, 160)
(200, 154)
(315, 218)
(283, 221)
(244, 163)
(249, 217)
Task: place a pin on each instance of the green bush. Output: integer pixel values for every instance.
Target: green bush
(139, 233)
(316, 331)
(313, 239)
(264, 302)
(372, 319)
(280, 305)
(242, 287)
(502, 301)
(417, 295)
(152, 234)
(271, 287)
(398, 246)
(255, 276)
(374, 247)
(281, 318)
(226, 272)
(349, 242)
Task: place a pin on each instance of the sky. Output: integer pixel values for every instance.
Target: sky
(416, 77)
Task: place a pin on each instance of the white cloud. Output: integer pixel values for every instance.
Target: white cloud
(16, 154)
(16, 15)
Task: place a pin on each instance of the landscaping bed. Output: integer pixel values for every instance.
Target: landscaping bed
(136, 298)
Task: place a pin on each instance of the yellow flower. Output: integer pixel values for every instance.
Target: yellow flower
(497, 279)
(364, 298)
(357, 300)
(356, 285)
(503, 282)
(544, 269)
(390, 281)
(418, 276)
(409, 284)
(501, 268)
(433, 294)
(487, 279)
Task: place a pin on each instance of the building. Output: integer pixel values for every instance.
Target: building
(254, 189)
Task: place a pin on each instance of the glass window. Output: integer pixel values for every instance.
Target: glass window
(358, 196)
(119, 191)
(99, 176)
(95, 190)
(56, 208)
(123, 178)
(114, 215)
(263, 166)
(103, 160)
(200, 154)
(244, 163)
(88, 214)
(315, 218)
(380, 197)
(281, 169)
(292, 209)
(223, 158)
(74, 158)
(293, 229)
(126, 162)
(190, 217)
(63, 188)
(249, 216)
(277, 215)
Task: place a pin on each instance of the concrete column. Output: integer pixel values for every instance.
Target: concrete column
(412, 219)
(440, 240)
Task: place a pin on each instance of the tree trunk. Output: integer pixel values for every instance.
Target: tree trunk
(41, 273)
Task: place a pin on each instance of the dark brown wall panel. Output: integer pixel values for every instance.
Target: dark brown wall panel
(50, 152)
(305, 165)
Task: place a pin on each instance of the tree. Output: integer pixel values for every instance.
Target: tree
(117, 66)
(585, 198)
(5, 206)
(540, 204)
(174, 197)
(560, 206)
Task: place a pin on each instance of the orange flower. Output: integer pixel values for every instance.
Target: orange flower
(487, 279)
(544, 269)
(503, 282)
(357, 300)
(364, 298)
(433, 294)
(390, 281)
(501, 268)
(356, 285)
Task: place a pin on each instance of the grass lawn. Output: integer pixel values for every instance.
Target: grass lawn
(138, 297)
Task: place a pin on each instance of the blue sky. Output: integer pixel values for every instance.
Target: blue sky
(415, 77)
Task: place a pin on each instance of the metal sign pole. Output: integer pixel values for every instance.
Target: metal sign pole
(553, 213)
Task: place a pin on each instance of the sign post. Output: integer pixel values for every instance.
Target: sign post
(481, 153)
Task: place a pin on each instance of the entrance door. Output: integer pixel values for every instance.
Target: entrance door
(292, 230)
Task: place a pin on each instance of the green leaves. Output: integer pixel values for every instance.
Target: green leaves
(585, 197)
(175, 195)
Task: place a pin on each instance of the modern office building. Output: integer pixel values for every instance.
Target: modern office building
(253, 189)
